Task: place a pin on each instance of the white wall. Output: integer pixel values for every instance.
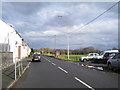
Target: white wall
(9, 36)
(25, 51)
(5, 30)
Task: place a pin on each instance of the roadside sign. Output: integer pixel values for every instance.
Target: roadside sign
(57, 53)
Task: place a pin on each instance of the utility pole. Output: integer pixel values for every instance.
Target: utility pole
(48, 45)
(68, 45)
(55, 45)
(67, 40)
(55, 42)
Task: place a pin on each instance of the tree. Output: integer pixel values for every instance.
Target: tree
(32, 51)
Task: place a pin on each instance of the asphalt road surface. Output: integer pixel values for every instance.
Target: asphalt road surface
(53, 73)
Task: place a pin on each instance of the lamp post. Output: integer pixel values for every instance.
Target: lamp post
(55, 42)
(55, 45)
(68, 46)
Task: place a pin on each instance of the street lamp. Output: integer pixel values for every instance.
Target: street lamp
(55, 42)
(68, 53)
(68, 45)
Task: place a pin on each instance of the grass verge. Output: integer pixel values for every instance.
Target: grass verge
(65, 58)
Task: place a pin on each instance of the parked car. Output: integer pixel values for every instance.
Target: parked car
(89, 57)
(36, 57)
(114, 62)
(105, 55)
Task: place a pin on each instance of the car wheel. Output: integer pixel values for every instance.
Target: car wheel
(110, 66)
(84, 60)
(81, 60)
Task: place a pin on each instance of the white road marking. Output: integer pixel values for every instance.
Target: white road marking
(63, 70)
(82, 64)
(53, 63)
(49, 61)
(84, 83)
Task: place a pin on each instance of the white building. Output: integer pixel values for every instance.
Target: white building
(11, 41)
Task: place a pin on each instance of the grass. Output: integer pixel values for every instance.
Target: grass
(50, 55)
(73, 57)
(64, 57)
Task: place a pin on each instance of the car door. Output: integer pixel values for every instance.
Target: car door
(90, 56)
(116, 60)
(96, 55)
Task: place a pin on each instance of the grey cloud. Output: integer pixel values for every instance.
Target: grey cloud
(26, 8)
(29, 17)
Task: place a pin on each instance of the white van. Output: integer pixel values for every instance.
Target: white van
(101, 56)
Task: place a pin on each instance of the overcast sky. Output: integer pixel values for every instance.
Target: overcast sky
(39, 22)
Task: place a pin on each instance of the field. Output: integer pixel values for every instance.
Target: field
(65, 57)
(72, 57)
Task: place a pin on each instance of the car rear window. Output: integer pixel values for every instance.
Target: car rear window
(117, 56)
(109, 54)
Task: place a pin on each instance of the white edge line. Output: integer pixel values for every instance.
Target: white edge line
(84, 83)
(63, 70)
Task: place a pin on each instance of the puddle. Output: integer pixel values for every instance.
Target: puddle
(93, 67)
(90, 66)
(98, 67)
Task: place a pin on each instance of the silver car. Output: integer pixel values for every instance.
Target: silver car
(114, 62)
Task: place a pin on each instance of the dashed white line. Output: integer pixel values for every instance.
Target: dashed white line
(53, 63)
(84, 83)
(62, 69)
(49, 61)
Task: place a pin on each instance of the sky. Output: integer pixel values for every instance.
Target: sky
(41, 24)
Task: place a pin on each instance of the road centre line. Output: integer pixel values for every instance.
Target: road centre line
(46, 59)
(49, 61)
(53, 63)
(62, 69)
(74, 77)
(84, 83)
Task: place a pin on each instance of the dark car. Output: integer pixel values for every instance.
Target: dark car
(36, 57)
(108, 55)
(114, 62)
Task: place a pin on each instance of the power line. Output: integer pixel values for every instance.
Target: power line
(99, 15)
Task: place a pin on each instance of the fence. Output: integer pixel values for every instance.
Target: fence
(4, 47)
(7, 59)
(11, 71)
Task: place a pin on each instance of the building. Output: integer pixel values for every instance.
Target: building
(11, 41)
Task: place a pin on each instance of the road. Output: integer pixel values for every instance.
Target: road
(53, 73)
